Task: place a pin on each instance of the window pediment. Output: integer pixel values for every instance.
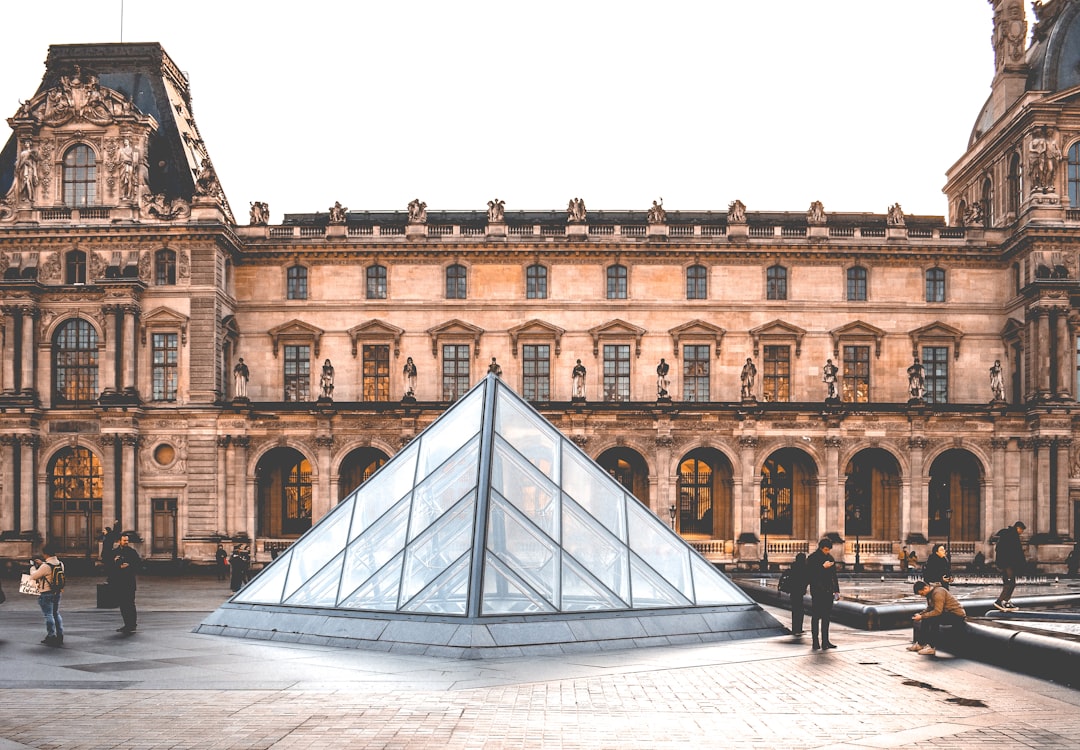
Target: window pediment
(697, 329)
(617, 329)
(857, 330)
(458, 329)
(536, 328)
(778, 329)
(164, 317)
(936, 332)
(376, 329)
(296, 331)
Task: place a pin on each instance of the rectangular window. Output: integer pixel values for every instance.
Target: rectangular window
(376, 372)
(695, 372)
(616, 282)
(697, 282)
(298, 373)
(536, 369)
(163, 523)
(616, 372)
(856, 385)
(456, 287)
(376, 282)
(455, 371)
(536, 286)
(297, 283)
(935, 285)
(935, 361)
(776, 382)
(856, 284)
(776, 283)
(164, 371)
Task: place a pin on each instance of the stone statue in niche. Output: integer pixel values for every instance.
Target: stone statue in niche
(662, 381)
(128, 164)
(26, 173)
(326, 381)
(916, 374)
(657, 214)
(241, 374)
(1044, 155)
(736, 212)
(974, 216)
(830, 377)
(417, 211)
(997, 382)
(579, 381)
(495, 368)
(746, 380)
(408, 372)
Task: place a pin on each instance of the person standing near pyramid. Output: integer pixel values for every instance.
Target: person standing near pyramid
(824, 590)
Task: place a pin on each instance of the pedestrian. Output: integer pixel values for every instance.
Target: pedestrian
(941, 609)
(49, 573)
(937, 569)
(1073, 560)
(912, 560)
(238, 563)
(221, 558)
(978, 563)
(903, 561)
(108, 540)
(824, 590)
(122, 566)
(797, 581)
(1009, 557)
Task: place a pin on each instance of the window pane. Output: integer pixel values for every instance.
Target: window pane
(536, 282)
(297, 283)
(376, 282)
(776, 382)
(696, 372)
(376, 372)
(616, 372)
(80, 177)
(696, 282)
(935, 360)
(75, 362)
(935, 285)
(297, 373)
(455, 282)
(536, 372)
(856, 385)
(856, 284)
(455, 371)
(164, 373)
(616, 282)
(776, 283)
(164, 267)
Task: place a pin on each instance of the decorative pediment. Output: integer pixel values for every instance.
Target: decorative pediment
(376, 329)
(696, 329)
(164, 317)
(455, 329)
(230, 331)
(296, 330)
(616, 329)
(778, 329)
(539, 329)
(78, 97)
(936, 331)
(858, 330)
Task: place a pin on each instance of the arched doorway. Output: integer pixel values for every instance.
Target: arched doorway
(75, 489)
(357, 468)
(705, 490)
(788, 498)
(872, 495)
(283, 479)
(954, 502)
(629, 469)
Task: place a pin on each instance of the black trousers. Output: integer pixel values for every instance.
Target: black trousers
(926, 630)
(1008, 584)
(125, 595)
(820, 617)
(797, 613)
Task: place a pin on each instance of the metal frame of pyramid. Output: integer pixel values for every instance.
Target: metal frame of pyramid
(491, 534)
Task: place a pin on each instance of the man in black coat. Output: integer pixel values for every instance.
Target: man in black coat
(1009, 557)
(824, 590)
(123, 562)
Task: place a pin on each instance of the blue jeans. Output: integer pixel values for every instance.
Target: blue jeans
(50, 607)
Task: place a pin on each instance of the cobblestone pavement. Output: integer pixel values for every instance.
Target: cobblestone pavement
(166, 687)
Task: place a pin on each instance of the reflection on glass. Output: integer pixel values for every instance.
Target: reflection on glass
(710, 587)
(533, 495)
(375, 547)
(266, 587)
(581, 591)
(448, 595)
(505, 594)
(530, 436)
(320, 546)
(372, 498)
(594, 490)
(444, 542)
(320, 591)
(529, 553)
(450, 430)
(380, 592)
(651, 590)
(597, 551)
(659, 548)
(446, 486)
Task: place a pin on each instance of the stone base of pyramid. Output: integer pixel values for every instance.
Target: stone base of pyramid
(495, 637)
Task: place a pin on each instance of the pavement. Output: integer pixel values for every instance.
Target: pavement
(166, 687)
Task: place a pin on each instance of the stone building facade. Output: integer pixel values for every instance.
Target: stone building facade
(758, 379)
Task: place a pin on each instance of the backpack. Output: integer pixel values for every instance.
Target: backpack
(784, 584)
(57, 578)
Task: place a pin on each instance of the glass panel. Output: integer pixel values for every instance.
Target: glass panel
(580, 591)
(315, 548)
(594, 490)
(451, 431)
(529, 434)
(448, 539)
(532, 494)
(712, 588)
(449, 595)
(380, 593)
(375, 547)
(504, 594)
(660, 548)
(596, 550)
(650, 590)
(322, 590)
(266, 587)
(385, 488)
(445, 487)
(525, 550)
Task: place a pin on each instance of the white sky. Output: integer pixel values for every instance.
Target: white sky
(857, 103)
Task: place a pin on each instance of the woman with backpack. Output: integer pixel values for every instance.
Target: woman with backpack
(794, 581)
(51, 577)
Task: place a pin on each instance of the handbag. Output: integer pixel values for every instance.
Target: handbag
(28, 585)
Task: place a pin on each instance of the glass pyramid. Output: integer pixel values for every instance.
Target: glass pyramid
(490, 511)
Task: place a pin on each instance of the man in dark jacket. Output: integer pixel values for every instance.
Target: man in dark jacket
(824, 590)
(1009, 557)
(941, 609)
(123, 562)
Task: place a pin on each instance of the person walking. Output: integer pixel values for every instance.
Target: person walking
(49, 573)
(796, 586)
(824, 590)
(941, 609)
(937, 570)
(239, 562)
(221, 558)
(1009, 557)
(122, 566)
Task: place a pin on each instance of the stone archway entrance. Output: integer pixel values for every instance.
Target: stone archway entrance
(284, 493)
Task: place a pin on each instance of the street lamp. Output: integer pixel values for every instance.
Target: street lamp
(858, 546)
(671, 513)
(765, 533)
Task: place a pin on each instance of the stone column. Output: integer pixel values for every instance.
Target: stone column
(1043, 364)
(31, 510)
(7, 484)
(8, 352)
(1061, 496)
(110, 503)
(1066, 356)
(994, 501)
(130, 502)
(913, 507)
(1043, 445)
(108, 365)
(662, 484)
(28, 316)
(321, 503)
(830, 512)
(242, 492)
(130, 354)
(748, 516)
(224, 466)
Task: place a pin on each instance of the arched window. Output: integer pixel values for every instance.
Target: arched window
(695, 498)
(75, 489)
(697, 285)
(988, 202)
(935, 285)
(616, 282)
(75, 363)
(376, 282)
(536, 282)
(776, 282)
(1074, 175)
(296, 283)
(1016, 185)
(856, 284)
(75, 267)
(456, 287)
(80, 177)
(165, 267)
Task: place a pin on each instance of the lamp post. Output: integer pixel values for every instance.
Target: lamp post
(948, 534)
(765, 533)
(671, 513)
(858, 535)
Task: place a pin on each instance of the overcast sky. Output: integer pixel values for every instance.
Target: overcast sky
(857, 103)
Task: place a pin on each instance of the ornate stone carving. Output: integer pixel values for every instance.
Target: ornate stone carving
(324, 441)
(657, 214)
(50, 270)
(664, 441)
(999, 443)
(832, 441)
(496, 213)
(895, 216)
(417, 211)
(184, 264)
(1044, 155)
(144, 266)
(337, 213)
(736, 212)
(917, 442)
(206, 181)
(580, 440)
(163, 208)
(1010, 33)
(76, 97)
(815, 216)
(259, 216)
(575, 211)
(241, 441)
(223, 441)
(748, 441)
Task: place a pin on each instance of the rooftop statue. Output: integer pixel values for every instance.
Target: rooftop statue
(657, 214)
(260, 214)
(736, 212)
(496, 211)
(417, 211)
(815, 217)
(575, 211)
(337, 213)
(895, 216)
